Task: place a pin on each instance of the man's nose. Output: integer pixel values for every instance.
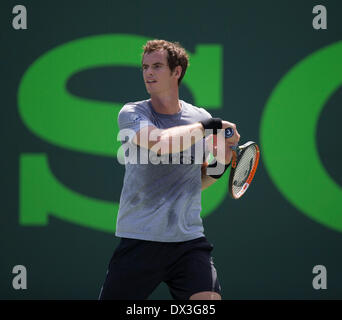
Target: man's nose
(149, 71)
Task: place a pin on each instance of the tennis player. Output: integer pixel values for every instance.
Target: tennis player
(159, 223)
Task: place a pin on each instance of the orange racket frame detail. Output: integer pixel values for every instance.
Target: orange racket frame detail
(251, 175)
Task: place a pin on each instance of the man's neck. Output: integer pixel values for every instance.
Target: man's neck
(166, 105)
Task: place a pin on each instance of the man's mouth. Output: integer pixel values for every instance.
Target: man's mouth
(151, 81)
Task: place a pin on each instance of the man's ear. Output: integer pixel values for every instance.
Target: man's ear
(178, 71)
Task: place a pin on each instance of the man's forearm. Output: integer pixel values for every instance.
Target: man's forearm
(207, 181)
(171, 140)
(177, 139)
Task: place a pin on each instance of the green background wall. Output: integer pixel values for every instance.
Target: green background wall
(265, 245)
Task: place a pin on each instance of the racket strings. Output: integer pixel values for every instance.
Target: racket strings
(244, 168)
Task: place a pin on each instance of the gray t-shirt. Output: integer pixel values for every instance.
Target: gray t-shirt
(160, 202)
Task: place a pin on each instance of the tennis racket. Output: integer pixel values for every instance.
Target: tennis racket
(244, 163)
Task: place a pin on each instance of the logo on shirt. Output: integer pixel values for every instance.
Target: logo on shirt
(136, 118)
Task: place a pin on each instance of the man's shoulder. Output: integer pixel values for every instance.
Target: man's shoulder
(132, 112)
(135, 106)
(197, 110)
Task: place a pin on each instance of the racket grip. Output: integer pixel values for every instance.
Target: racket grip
(228, 133)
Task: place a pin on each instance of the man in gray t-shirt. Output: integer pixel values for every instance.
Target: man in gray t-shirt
(161, 202)
(162, 236)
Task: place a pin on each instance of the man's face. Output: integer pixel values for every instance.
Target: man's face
(157, 74)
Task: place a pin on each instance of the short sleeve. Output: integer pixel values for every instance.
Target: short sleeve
(130, 122)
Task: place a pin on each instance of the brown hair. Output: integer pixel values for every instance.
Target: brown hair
(177, 55)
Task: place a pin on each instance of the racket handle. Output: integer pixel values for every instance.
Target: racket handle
(228, 133)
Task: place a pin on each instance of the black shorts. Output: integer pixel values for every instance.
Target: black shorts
(138, 267)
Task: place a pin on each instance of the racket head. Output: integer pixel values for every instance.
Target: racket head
(244, 164)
